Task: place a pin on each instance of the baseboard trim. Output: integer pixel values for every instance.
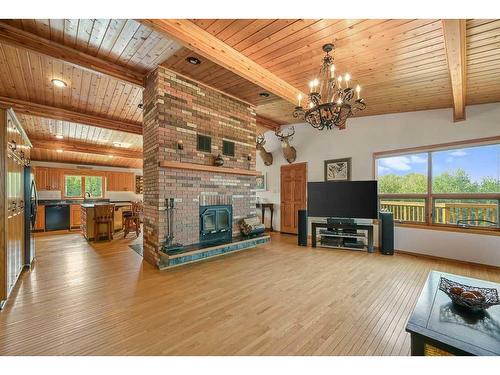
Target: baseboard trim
(435, 257)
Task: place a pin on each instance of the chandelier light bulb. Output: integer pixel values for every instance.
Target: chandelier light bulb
(316, 82)
(340, 81)
(332, 69)
(358, 90)
(311, 85)
(339, 101)
(347, 78)
(299, 97)
(311, 105)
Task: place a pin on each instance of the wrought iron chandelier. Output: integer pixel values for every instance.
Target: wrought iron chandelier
(330, 100)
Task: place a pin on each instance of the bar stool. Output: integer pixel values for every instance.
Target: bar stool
(103, 215)
(133, 219)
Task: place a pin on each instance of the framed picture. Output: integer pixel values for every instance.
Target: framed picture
(338, 169)
(260, 182)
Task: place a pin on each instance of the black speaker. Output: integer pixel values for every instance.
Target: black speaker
(386, 233)
(302, 238)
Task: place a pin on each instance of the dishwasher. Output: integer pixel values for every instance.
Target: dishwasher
(57, 217)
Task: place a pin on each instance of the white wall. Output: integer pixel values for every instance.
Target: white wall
(366, 135)
(112, 195)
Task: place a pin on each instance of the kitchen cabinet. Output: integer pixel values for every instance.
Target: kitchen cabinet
(54, 179)
(48, 178)
(42, 178)
(40, 218)
(75, 215)
(120, 181)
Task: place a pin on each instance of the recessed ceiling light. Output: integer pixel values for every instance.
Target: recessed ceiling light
(140, 105)
(193, 60)
(110, 156)
(59, 83)
(59, 150)
(59, 136)
(117, 144)
(264, 95)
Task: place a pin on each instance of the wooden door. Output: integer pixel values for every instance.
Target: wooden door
(293, 195)
(41, 178)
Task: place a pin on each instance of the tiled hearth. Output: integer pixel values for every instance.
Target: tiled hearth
(178, 109)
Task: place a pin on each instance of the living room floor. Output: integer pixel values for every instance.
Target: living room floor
(277, 299)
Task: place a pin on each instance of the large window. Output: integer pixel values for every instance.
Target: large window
(81, 186)
(453, 186)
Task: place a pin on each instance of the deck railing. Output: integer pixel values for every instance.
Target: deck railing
(444, 212)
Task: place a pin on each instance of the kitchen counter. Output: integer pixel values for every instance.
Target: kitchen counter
(116, 204)
(88, 213)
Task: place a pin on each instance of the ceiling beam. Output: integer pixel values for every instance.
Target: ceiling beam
(267, 123)
(455, 43)
(84, 147)
(207, 45)
(21, 39)
(55, 113)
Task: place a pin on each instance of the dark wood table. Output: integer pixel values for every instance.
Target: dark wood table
(438, 326)
(367, 227)
(263, 207)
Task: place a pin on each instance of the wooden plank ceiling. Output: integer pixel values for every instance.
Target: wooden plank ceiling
(401, 66)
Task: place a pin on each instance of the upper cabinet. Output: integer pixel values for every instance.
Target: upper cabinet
(48, 178)
(120, 181)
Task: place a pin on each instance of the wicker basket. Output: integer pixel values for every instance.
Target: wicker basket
(490, 295)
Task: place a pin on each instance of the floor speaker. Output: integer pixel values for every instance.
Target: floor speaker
(386, 233)
(302, 238)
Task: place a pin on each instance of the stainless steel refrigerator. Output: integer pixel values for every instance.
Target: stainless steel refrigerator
(30, 212)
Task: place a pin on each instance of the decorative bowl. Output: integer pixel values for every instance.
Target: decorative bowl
(470, 297)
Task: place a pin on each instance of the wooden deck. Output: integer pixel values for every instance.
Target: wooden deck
(277, 299)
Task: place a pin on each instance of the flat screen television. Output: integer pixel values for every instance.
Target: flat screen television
(345, 199)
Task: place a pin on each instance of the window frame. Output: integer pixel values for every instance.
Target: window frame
(82, 178)
(429, 197)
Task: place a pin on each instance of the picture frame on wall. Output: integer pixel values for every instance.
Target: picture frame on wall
(338, 169)
(261, 182)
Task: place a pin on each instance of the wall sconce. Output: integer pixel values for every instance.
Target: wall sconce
(180, 145)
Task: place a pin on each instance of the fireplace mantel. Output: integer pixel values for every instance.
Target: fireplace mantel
(207, 168)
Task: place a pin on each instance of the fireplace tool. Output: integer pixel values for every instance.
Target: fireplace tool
(170, 246)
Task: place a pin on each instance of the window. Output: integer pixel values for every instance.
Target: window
(76, 186)
(228, 148)
(93, 185)
(203, 143)
(452, 186)
(73, 187)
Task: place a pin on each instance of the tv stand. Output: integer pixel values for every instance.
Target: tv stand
(342, 231)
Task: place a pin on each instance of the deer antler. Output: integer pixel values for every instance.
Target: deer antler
(261, 140)
(281, 136)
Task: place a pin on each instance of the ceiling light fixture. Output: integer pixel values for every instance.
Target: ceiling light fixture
(59, 83)
(59, 150)
(117, 144)
(110, 156)
(330, 101)
(193, 60)
(59, 136)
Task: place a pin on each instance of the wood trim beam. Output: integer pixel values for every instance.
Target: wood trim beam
(21, 39)
(207, 45)
(267, 123)
(207, 168)
(85, 148)
(40, 110)
(455, 44)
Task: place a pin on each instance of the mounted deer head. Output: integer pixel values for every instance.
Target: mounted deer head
(267, 157)
(289, 152)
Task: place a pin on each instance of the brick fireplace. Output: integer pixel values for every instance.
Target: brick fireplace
(176, 111)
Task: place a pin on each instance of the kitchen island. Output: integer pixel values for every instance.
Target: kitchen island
(87, 217)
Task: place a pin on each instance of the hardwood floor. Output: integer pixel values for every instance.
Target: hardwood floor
(277, 299)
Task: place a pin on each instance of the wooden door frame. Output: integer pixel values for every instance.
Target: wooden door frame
(306, 180)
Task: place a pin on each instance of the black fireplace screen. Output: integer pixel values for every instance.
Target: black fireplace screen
(216, 223)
